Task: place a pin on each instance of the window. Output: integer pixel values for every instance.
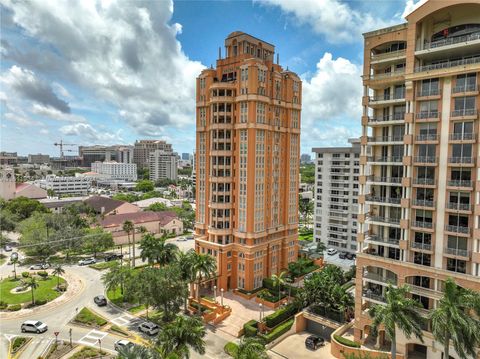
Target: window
(461, 153)
(465, 83)
(464, 106)
(456, 265)
(429, 87)
(422, 259)
(428, 109)
(243, 112)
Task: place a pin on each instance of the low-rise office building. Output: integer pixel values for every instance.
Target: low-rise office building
(116, 170)
(66, 185)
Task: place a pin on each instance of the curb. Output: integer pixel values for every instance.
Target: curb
(20, 351)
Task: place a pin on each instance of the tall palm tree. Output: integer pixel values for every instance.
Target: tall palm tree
(399, 311)
(128, 228)
(452, 320)
(14, 261)
(58, 271)
(157, 250)
(251, 348)
(135, 352)
(181, 335)
(116, 277)
(205, 267)
(32, 284)
(279, 280)
(186, 264)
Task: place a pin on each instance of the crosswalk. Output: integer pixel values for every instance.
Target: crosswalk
(123, 320)
(92, 337)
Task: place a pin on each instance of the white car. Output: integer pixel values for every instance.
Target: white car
(120, 344)
(33, 326)
(331, 251)
(149, 328)
(40, 266)
(87, 261)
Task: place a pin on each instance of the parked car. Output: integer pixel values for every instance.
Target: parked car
(100, 300)
(149, 328)
(87, 261)
(33, 326)
(313, 342)
(342, 255)
(351, 256)
(40, 266)
(189, 238)
(112, 256)
(120, 344)
(7, 248)
(331, 251)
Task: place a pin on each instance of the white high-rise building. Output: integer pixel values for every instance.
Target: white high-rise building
(66, 185)
(115, 170)
(163, 165)
(336, 196)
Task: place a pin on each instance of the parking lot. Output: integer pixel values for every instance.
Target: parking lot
(294, 347)
(345, 264)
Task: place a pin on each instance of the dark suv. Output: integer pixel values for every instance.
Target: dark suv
(112, 256)
(313, 342)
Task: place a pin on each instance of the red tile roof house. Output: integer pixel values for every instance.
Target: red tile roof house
(107, 206)
(154, 222)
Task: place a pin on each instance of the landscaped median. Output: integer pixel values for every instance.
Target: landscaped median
(87, 317)
(17, 344)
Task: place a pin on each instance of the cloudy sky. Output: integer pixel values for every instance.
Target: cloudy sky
(110, 72)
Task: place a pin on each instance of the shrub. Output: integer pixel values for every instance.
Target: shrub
(269, 296)
(62, 287)
(280, 315)
(86, 316)
(25, 274)
(347, 342)
(277, 331)
(3, 305)
(231, 349)
(268, 283)
(43, 274)
(200, 307)
(248, 292)
(250, 328)
(14, 307)
(40, 301)
(17, 343)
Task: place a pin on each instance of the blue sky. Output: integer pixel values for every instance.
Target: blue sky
(108, 72)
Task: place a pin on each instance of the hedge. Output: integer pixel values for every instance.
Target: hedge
(3, 305)
(25, 274)
(40, 301)
(250, 328)
(14, 307)
(277, 331)
(249, 292)
(268, 283)
(269, 296)
(280, 315)
(231, 349)
(347, 342)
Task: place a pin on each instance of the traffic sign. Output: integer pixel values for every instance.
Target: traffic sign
(56, 333)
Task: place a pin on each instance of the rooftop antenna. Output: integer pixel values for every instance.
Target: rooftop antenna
(278, 59)
(219, 52)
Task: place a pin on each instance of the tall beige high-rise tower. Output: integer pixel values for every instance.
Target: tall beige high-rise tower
(247, 163)
(420, 199)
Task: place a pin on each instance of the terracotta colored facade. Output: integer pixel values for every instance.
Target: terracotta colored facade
(419, 200)
(247, 163)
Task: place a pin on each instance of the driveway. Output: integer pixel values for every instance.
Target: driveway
(345, 264)
(293, 347)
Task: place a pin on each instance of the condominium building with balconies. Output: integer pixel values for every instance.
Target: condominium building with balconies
(419, 156)
(336, 196)
(247, 163)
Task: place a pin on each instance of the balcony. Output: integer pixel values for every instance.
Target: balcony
(450, 41)
(461, 160)
(457, 229)
(386, 159)
(376, 297)
(427, 115)
(424, 291)
(383, 219)
(378, 239)
(391, 180)
(423, 203)
(464, 112)
(422, 246)
(465, 88)
(457, 252)
(462, 137)
(389, 118)
(459, 206)
(382, 76)
(380, 278)
(427, 137)
(429, 92)
(378, 199)
(424, 181)
(460, 183)
(387, 56)
(374, 100)
(448, 64)
(385, 139)
(425, 159)
(422, 224)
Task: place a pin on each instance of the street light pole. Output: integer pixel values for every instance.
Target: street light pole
(221, 293)
(261, 311)
(215, 293)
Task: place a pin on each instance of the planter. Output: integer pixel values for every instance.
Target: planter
(271, 305)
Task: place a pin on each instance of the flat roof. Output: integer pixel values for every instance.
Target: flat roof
(385, 30)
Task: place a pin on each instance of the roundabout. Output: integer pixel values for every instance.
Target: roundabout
(17, 291)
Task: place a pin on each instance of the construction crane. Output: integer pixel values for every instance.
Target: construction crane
(61, 144)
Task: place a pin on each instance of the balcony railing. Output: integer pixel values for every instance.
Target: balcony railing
(462, 136)
(459, 206)
(383, 219)
(460, 183)
(375, 238)
(467, 160)
(423, 203)
(450, 41)
(423, 246)
(386, 159)
(427, 114)
(388, 55)
(398, 96)
(429, 92)
(457, 252)
(427, 137)
(424, 181)
(380, 278)
(378, 298)
(385, 75)
(385, 179)
(465, 88)
(391, 200)
(464, 112)
(425, 159)
(422, 224)
(457, 229)
(394, 117)
(448, 64)
(386, 139)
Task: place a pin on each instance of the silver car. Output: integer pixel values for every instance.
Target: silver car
(87, 261)
(33, 326)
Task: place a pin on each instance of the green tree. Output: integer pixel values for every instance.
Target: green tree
(129, 228)
(14, 261)
(279, 280)
(205, 266)
(141, 287)
(399, 311)
(58, 271)
(144, 186)
(116, 277)
(24, 207)
(307, 173)
(305, 207)
(456, 320)
(183, 334)
(32, 284)
(157, 250)
(8, 220)
(97, 240)
(50, 192)
(157, 207)
(136, 352)
(127, 197)
(251, 348)
(33, 232)
(186, 265)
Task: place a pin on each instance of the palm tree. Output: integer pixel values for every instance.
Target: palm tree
(250, 348)
(180, 335)
(116, 277)
(14, 261)
(205, 266)
(279, 280)
(456, 319)
(400, 312)
(128, 228)
(186, 264)
(135, 352)
(58, 270)
(157, 250)
(32, 284)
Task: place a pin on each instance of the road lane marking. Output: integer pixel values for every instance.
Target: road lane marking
(123, 320)
(92, 337)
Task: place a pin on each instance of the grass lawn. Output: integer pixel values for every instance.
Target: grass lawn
(103, 265)
(45, 291)
(18, 343)
(115, 296)
(87, 352)
(87, 317)
(137, 308)
(306, 237)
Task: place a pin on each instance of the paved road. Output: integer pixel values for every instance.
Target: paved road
(58, 318)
